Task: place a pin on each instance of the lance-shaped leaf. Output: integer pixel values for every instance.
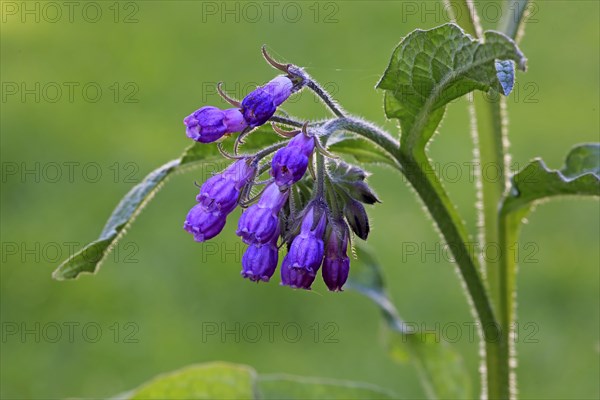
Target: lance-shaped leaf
(93, 254)
(440, 367)
(430, 68)
(535, 182)
(220, 380)
(362, 150)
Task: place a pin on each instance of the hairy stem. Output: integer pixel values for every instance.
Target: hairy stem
(286, 121)
(417, 169)
(489, 129)
(326, 97)
(506, 233)
(464, 14)
(513, 18)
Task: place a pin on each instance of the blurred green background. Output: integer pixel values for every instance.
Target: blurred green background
(67, 158)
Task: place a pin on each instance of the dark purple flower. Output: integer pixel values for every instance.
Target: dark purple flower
(260, 105)
(259, 261)
(305, 255)
(259, 223)
(204, 224)
(290, 163)
(336, 264)
(209, 124)
(221, 192)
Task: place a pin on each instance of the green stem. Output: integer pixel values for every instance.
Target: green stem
(320, 184)
(417, 169)
(418, 172)
(513, 18)
(466, 16)
(487, 131)
(505, 269)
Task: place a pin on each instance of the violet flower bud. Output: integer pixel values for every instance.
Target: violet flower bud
(204, 224)
(280, 88)
(357, 218)
(289, 164)
(209, 124)
(305, 255)
(260, 105)
(221, 192)
(259, 261)
(259, 223)
(336, 264)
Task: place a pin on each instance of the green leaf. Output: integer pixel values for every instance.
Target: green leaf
(289, 387)
(205, 381)
(93, 254)
(430, 68)
(441, 369)
(535, 182)
(362, 150)
(220, 380)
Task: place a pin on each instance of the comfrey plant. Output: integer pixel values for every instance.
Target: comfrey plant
(312, 227)
(302, 187)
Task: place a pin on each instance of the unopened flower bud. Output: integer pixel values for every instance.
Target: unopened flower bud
(261, 104)
(289, 164)
(336, 264)
(209, 124)
(357, 218)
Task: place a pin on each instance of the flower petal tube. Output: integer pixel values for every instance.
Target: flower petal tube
(259, 223)
(300, 265)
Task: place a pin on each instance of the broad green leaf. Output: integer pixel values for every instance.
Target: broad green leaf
(441, 369)
(289, 387)
(220, 380)
(93, 254)
(205, 381)
(362, 150)
(535, 182)
(430, 68)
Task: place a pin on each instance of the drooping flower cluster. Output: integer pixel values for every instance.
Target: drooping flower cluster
(315, 228)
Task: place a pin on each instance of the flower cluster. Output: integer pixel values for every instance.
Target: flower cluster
(309, 214)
